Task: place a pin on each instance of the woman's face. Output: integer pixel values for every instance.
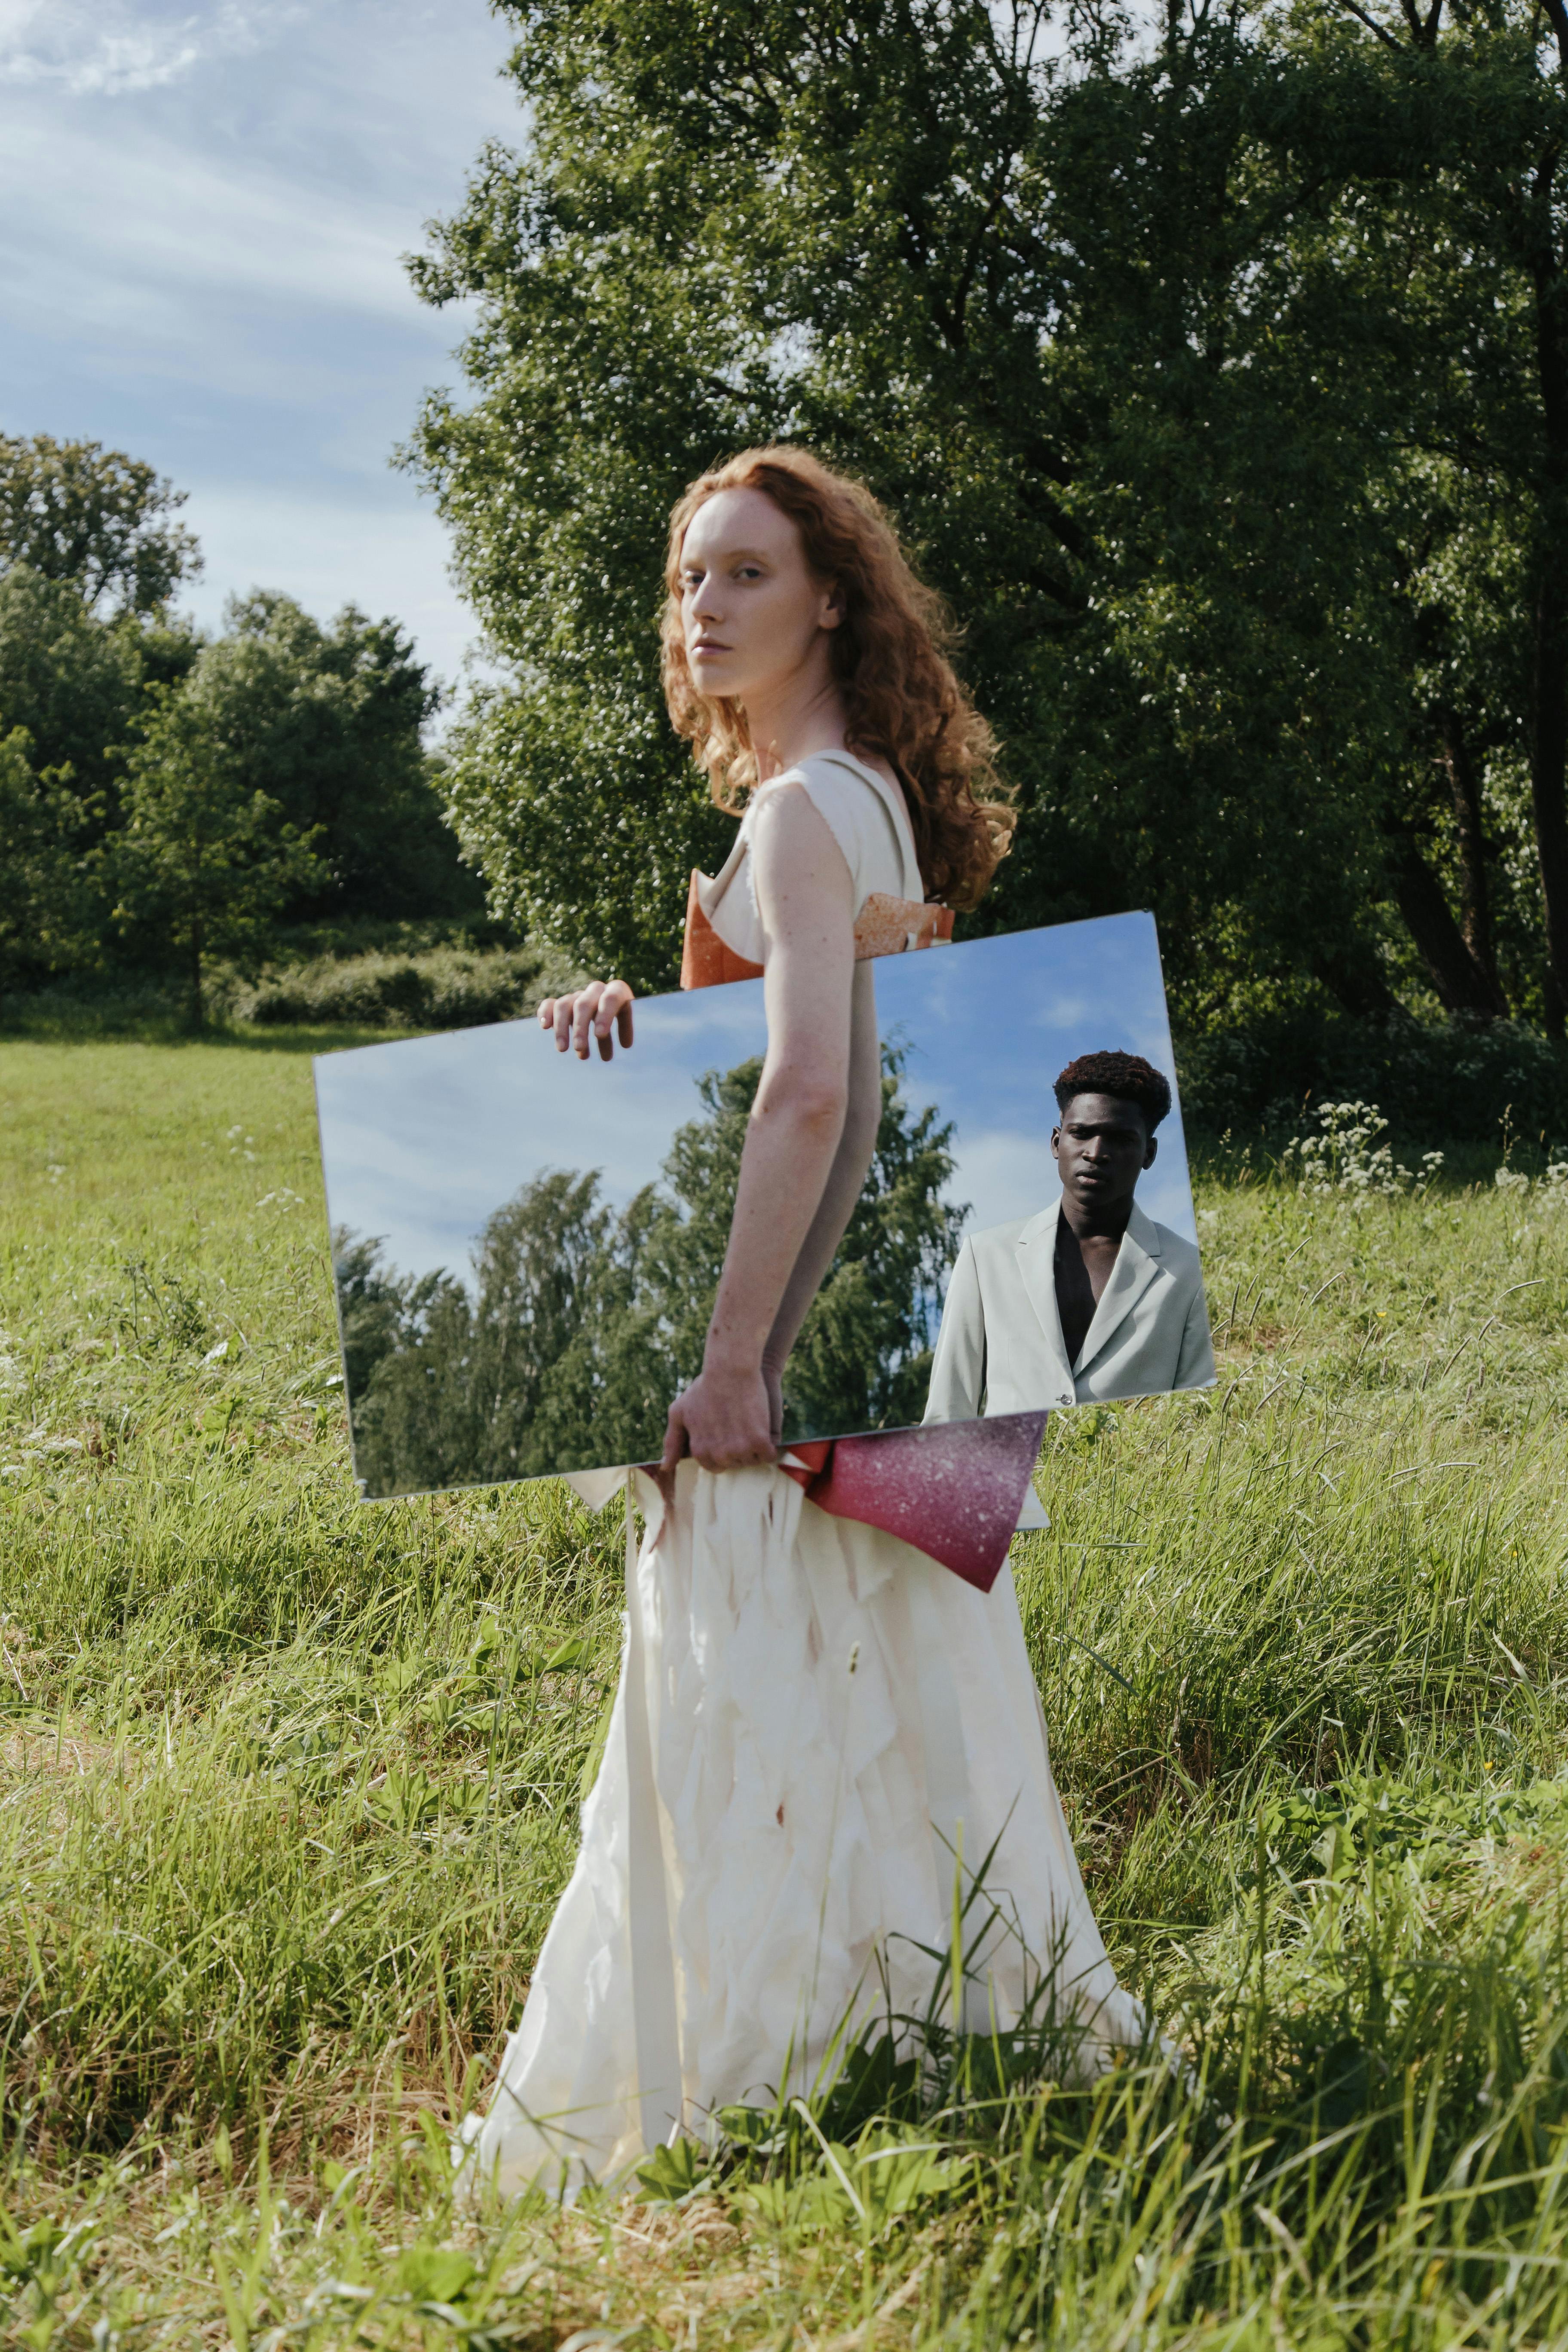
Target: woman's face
(755, 616)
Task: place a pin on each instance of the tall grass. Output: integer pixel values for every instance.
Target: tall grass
(288, 1786)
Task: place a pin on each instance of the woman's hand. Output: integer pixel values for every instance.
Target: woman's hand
(592, 1011)
(724, 1421)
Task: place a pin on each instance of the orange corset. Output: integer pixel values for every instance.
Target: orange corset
(885, 926)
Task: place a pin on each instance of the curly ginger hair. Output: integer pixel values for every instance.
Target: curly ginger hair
(902, 697)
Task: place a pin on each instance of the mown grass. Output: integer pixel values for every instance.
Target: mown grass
(288, 1786)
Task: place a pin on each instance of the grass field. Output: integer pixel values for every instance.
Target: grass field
(290, 1786)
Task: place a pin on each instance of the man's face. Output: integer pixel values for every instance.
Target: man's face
(1101, 1147)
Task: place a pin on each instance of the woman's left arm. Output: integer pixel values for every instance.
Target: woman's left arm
(805, 898)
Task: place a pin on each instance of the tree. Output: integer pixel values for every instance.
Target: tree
(900, 229)
(328, 723)
(73, 510)
(45, 907)
(203, 862)
(1217, 367)
(80, 686)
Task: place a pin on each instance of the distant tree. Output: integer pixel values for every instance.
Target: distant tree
(79, 683)
(75, 511)
(47, 908)
(581, 1326)
(328, 723)
(204, 861)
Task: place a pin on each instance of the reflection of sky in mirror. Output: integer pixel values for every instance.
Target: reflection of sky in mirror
(425, 1138)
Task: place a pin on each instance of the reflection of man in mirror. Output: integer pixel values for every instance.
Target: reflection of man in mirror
(1090, 1298)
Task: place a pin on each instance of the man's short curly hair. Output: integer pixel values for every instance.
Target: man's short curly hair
(1128, 1076)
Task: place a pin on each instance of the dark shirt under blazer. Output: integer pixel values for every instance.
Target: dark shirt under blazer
(1000, 1349)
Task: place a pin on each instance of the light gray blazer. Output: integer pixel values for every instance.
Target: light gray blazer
(1001, 1336)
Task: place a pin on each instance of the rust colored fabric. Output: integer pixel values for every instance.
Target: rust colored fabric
(705, 960)
(885, 926)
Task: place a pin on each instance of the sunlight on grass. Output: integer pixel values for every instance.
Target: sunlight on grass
(288, 1786)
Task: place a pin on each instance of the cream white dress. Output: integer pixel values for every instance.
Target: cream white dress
(818, 1735)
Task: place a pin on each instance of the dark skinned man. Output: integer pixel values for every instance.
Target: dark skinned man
(1088, 1299)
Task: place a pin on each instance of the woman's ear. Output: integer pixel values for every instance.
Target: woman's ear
(830, 613)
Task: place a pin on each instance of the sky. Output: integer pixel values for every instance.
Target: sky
(202, 209)
(423, 1139)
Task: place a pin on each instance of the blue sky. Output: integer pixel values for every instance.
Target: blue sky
(204, 207)
(425, 1138)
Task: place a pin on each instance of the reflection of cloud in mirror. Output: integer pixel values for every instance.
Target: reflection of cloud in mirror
(425, 1137)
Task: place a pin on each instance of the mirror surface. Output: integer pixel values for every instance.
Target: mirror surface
(526, 1246)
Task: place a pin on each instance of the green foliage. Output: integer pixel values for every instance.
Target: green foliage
(74, 511)
(204, 861)
(1204, 374)
(1464, 1080)
(454, 987)
(46, 906)
(581, 1325)
(78, 683)
(316, 729)
(327, 724)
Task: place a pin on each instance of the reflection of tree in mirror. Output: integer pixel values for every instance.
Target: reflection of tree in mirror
(580, 1324)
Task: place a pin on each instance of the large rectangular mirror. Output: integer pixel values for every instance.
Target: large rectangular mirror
(526, 1246)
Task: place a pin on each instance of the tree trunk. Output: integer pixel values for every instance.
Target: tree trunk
(197, 1010)
(1462, 985)
(1548, 681)
(1548, 765)
(1475, 898)
(1352, 973)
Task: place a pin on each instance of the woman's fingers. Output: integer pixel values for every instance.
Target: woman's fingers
(723, 1426)
(613, 1010)
(674, 1439)
(589, 1012)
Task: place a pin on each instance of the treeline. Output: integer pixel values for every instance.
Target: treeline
(580, 1323)
(165, 797)
(1216, 364)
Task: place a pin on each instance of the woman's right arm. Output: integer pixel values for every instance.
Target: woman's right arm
(592, 1011)
(805, 898)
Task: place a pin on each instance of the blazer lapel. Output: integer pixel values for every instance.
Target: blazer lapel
(1036, 1248)
(1137, 1263)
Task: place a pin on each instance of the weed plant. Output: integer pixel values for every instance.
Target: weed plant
(290, 1784)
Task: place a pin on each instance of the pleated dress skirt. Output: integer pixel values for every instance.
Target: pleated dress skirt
(824, 1748)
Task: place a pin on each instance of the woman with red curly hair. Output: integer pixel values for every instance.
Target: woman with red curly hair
(820, 1733)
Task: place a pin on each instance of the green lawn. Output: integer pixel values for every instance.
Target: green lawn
(290, 1786)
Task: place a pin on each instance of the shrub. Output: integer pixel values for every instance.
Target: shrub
(443, 988)
(1435, 1081)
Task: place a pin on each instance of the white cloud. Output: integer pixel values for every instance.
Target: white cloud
(111, 51)
(204, 210)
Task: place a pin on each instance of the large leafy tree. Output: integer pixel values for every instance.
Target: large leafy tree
(76, 511)
(898, 228)
(1213, 372)
(46, 906)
